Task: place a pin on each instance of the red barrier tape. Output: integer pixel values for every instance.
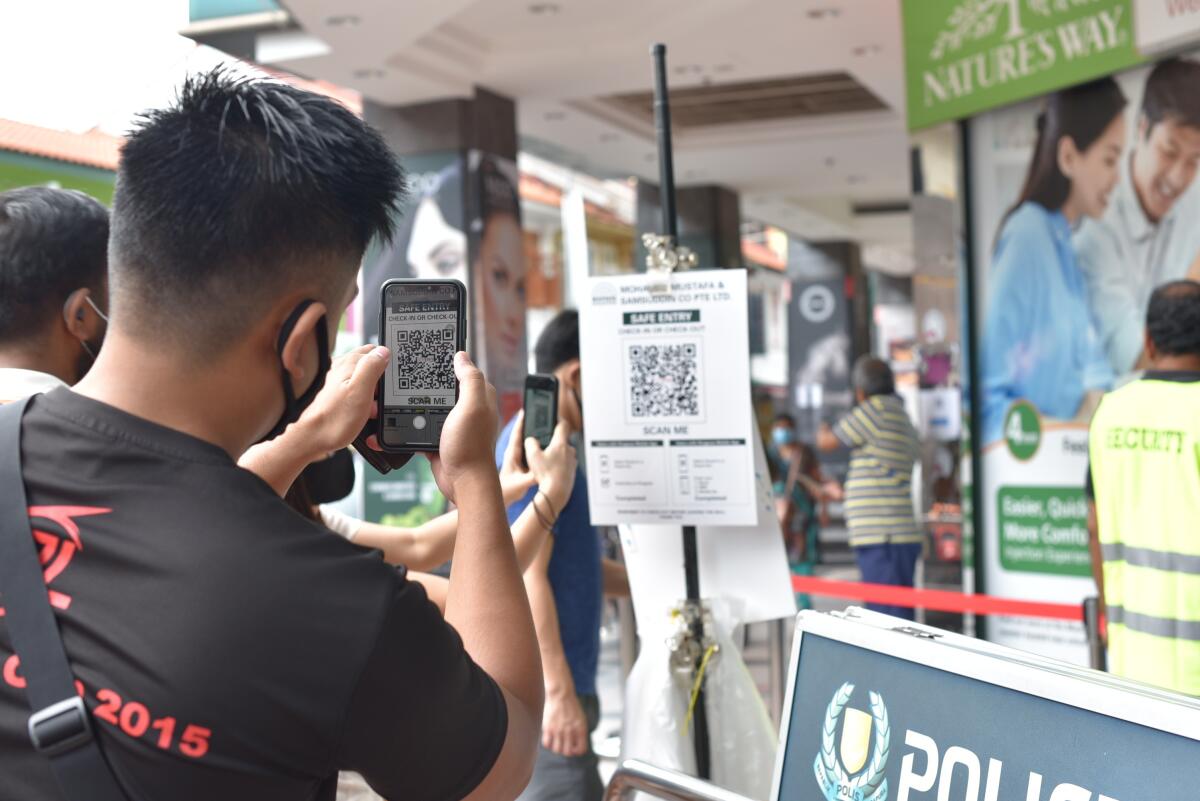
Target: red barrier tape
(939, 600)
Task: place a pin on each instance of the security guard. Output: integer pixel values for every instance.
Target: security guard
(1144, 483)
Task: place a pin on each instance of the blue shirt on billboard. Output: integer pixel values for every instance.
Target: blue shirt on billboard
(1039, 340)
(574, 574)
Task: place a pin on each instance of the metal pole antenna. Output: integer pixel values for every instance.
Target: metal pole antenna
(662, 128)
(670, 224)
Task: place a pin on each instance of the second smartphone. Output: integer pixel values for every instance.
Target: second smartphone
(541, 409)
(423, 323)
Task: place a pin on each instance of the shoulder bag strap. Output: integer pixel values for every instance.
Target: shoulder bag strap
(60, 727)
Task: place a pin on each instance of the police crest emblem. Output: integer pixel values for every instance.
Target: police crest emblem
(853, 771)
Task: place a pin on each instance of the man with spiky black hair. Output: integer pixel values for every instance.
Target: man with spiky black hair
(225, 647)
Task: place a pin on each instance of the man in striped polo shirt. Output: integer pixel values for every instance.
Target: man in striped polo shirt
(883, 444)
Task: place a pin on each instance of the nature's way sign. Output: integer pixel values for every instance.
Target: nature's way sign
(964, 56)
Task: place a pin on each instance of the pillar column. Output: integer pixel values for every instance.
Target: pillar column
(828, 328)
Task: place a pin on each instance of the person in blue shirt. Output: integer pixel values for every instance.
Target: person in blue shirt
(566, 584)
(1040, 342)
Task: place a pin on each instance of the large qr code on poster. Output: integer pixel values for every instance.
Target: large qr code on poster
(425, 358)
(664, 380)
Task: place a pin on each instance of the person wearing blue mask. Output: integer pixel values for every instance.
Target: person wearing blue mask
(801, 494)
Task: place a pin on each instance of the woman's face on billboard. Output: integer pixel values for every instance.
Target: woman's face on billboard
(436, 248)
(1093, 172)
(502, 272)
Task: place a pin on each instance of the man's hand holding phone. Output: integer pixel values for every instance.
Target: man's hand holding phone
(330, 423)
(516, 477)
(552, 470)
(345, 402)
(554, 467)
(470, 432)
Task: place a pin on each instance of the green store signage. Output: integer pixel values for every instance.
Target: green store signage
(964, 56)
(1044, 530)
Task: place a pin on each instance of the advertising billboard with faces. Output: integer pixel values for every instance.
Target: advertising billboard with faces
(1083, 201)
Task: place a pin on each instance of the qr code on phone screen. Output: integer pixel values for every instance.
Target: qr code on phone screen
(425, 358)
(664, 380)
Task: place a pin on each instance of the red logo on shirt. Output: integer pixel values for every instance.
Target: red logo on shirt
(55, 552)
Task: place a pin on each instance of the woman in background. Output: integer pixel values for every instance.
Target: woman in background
(801, 496)
(1040, 343)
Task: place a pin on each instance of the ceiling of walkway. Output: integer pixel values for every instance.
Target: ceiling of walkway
(796, 104)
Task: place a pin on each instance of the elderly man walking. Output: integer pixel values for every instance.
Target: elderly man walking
(883, 445)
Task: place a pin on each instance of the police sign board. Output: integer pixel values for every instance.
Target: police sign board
(878, 715)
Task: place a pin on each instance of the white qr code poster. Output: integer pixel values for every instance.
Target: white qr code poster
(666, 399)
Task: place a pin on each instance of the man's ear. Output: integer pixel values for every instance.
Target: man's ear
(574, 375)
(78, 317)
(299, 355)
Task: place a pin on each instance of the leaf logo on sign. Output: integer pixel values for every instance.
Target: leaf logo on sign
(837, 770)
(978, 19)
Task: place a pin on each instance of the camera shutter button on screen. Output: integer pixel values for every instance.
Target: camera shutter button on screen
(418, 422)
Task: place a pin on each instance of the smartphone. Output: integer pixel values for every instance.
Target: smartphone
(541, 409)
(423, 323)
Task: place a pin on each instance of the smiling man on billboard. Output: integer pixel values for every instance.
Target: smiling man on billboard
(1146, 236)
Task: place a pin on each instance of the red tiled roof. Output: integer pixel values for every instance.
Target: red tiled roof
(92, 149)
(98, 149)
(535, 189)
(538, 191)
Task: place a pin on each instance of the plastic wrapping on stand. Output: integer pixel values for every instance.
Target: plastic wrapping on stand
(742, 737)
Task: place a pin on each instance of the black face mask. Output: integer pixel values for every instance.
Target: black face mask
(294, 406)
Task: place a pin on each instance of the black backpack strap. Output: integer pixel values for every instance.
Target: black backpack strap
(60, 727)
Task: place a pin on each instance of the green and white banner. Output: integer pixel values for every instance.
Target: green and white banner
(966, 56)
(1035, 522)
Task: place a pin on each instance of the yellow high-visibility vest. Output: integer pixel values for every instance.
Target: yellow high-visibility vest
(1145, 463)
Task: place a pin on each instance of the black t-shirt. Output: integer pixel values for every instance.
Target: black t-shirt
(228, 648)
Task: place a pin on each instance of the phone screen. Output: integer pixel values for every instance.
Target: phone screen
(540, 414)
(422, 334)
(421, 327)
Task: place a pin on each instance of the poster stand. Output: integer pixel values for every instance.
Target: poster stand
(666, 256)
